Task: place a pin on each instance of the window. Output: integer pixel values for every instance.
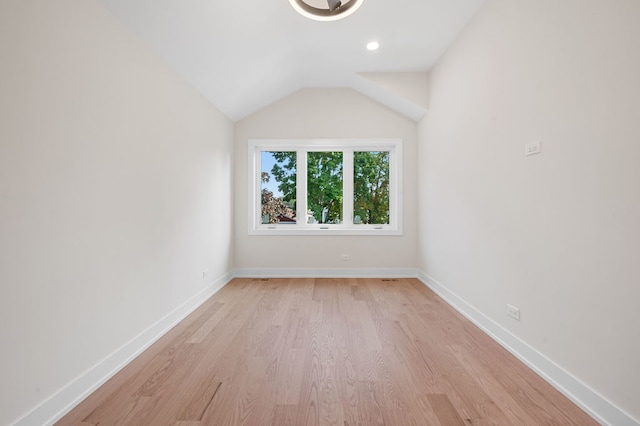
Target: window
(325, 187)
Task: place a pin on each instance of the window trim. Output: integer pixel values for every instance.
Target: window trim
(302, 146)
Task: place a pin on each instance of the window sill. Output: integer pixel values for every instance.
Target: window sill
(276, 230)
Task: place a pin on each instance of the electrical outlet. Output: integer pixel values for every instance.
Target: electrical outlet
(513, 312)
(205, 274)
(345, 257)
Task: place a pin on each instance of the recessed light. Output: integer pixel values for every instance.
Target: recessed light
(373, 45)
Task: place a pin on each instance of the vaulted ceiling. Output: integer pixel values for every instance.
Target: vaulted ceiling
(245, 54)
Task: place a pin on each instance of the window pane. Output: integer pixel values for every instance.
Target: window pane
(371, 187)
(324, 187)
(278, 186)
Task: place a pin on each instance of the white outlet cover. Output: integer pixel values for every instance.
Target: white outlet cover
(513, 312)
(532, 148)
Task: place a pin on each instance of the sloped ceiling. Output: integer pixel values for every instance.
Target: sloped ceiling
(244, 55)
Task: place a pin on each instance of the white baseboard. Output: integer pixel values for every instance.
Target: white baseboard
(590, 401)
(52, 409)
(326, 272)
(586, 398)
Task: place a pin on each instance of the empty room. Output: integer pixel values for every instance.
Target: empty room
(314, 212)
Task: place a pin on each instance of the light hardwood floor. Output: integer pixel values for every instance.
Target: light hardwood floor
(326, 352)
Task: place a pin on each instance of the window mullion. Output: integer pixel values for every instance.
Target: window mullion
(347, 187)
(395, 175)
(301, 188)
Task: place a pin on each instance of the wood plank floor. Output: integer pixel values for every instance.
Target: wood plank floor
(326, 352)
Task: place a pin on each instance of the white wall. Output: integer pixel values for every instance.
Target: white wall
(115, 194)
(320, 114)
(557, 234)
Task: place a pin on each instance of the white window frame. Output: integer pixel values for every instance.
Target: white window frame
(347, 146)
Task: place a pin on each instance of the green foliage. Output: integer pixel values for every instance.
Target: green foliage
(324, 186)
(371, 187)
(284, 172)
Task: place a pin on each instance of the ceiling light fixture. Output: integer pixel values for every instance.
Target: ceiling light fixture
(373, 45)
(326, 10)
